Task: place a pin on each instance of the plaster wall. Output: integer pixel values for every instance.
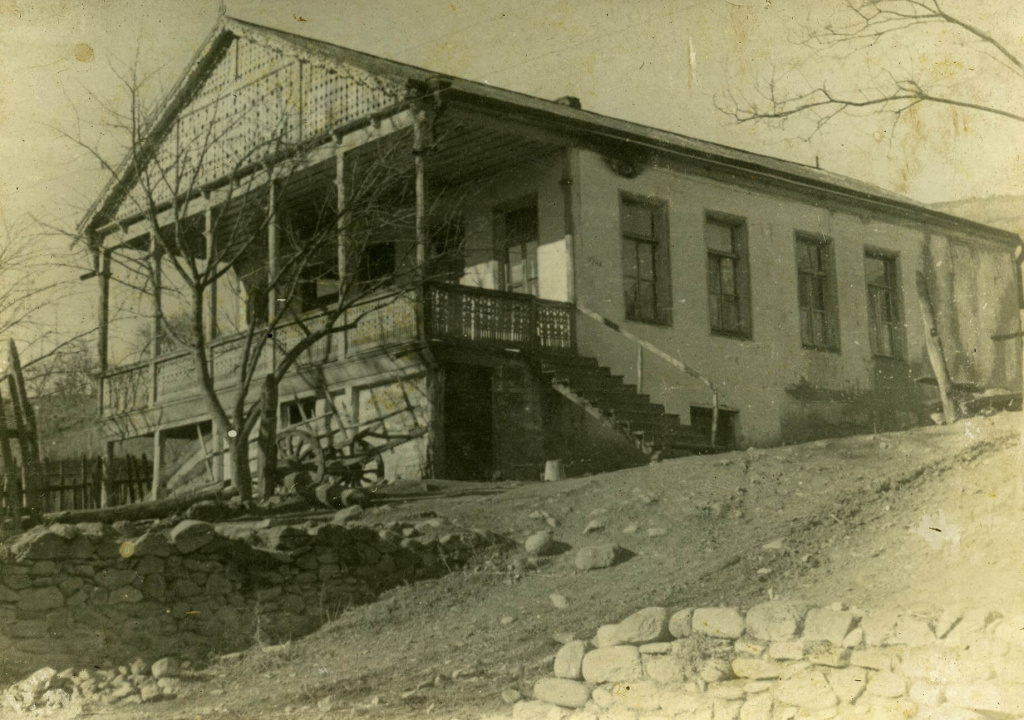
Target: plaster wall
(783, 391)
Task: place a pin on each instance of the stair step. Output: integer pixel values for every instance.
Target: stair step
(575, 361)
(609, 383)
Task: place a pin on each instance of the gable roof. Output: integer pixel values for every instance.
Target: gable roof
(577, 122)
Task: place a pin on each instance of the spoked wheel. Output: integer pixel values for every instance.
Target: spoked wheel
(298, 450)
(361, 466)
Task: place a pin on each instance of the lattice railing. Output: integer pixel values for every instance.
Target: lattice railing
(456, 313)
(126, 389)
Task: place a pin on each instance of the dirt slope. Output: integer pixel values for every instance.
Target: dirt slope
(923, 518)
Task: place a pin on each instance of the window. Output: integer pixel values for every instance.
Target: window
(645, 261)
(518, 235)
(728, 277)
(885, 326)
(819, 318)
(376, 261)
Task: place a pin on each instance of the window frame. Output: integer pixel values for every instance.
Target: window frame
(897, 330)
(661, 279)
(501, 245)
(740, 256)
(827, 276)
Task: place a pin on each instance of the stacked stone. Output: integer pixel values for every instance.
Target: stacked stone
(780, 661)
(46, 689)
(88, 592)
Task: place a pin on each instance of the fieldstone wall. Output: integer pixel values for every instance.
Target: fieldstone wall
(779, 661)
(96, 594)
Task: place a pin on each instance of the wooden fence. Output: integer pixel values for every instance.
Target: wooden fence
(82, 484)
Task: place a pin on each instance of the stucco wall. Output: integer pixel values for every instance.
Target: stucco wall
(783, 391)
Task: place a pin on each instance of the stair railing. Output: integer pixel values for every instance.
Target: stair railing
(655, 350)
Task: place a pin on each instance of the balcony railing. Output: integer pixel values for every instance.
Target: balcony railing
(459, 314)
(453, 314)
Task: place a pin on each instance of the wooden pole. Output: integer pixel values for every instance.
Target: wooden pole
(212, 328)
(267, 439)
(156, 276)
(28, 415)
(934, 345)
(28, 478)
(10, 472)
(158, 459)
(103, 338)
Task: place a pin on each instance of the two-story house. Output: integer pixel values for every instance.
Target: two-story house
(570, 258)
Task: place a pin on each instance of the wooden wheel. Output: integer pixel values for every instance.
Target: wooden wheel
(368, 472)
(300, 450)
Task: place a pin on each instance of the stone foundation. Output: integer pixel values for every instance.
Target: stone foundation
(95, 594)
(779, 661)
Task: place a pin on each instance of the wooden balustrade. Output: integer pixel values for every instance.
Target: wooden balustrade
(453, 313)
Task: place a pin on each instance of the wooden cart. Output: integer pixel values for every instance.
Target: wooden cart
(324, 453)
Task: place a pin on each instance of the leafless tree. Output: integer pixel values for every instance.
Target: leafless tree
(190, 256)
(868, 61)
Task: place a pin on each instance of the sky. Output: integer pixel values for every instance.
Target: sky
(665, 63)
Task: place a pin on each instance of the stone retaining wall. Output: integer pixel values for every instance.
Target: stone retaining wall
(94, 594)
(778, 661)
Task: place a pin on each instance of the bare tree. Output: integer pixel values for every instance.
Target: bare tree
(243, 165)
(29, 282)
(862, 63)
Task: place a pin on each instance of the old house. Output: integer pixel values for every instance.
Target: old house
(549, 283)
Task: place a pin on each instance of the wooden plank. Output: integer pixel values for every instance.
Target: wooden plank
(28, 414)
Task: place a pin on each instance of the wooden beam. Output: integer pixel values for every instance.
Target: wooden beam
(267, 439)
(272, 242)
(158, 461)
(933, 343)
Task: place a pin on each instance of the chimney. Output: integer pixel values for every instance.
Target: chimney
(571, 101)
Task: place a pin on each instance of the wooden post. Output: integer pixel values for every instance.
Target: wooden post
(158, 457)
(339, 182)
(13, 481)
(156, 276)
(28, 414)
(28, 478)
(934, 345)
(212, 329)
(267, 438)
(103, 339)
(272, 240)
(106, 477)
(639, 368)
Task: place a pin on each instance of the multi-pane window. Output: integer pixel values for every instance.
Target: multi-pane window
(728, 277)
(644, 261)
(521, 237)
(885, 325)
(819, 317)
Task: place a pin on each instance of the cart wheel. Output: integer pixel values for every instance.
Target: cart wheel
(372, 469)
(300, 450)
(368, 472)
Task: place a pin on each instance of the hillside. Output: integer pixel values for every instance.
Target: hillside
(921, 519)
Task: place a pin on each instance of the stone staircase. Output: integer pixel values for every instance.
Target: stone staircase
(618, 405)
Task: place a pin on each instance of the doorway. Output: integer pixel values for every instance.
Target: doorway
(468, 423)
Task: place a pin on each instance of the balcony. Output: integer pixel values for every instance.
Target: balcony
(453, 314)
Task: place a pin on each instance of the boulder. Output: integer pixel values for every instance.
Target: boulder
(40, 543)
(23, 695)
(773, 621)
(540, 543)
(569, 660)
(809, 690)
(645, 626)
(719, 622)
(680, 624)
(596, 557)
(562, 692)
(620, 663)
(190, 535)
(347, 515)
(826, 624)
(167, 667)
(152, 544)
